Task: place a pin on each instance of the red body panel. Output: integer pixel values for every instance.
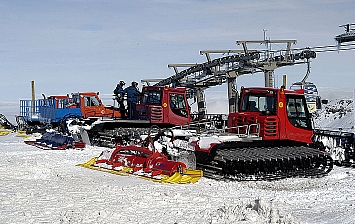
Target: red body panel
(89, 110)
(272, 126)
(160, 111)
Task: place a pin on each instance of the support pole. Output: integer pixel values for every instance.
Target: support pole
(232, 95)
(201, 104)
(33, 89)
(284, 81)
(268, 78)
(33, 95)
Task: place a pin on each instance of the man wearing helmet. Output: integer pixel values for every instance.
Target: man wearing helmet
(132, 95)
(118, 92)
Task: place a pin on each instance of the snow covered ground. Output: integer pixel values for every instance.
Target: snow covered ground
(39, 186)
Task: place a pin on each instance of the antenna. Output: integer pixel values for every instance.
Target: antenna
(264, 34)
(347, 26)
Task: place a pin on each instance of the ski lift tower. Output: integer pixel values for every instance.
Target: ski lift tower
(348, 36)
(271, 60)
(198, 77)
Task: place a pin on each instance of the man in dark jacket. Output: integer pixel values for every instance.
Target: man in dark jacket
(132, 95)
(118, 92)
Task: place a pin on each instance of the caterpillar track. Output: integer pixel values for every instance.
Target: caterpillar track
(268, 163)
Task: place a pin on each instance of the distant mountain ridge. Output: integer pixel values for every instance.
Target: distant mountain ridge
(337, 114)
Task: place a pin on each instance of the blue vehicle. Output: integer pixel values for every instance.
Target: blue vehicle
(48, 111)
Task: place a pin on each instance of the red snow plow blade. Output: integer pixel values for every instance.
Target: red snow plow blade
(141, 161)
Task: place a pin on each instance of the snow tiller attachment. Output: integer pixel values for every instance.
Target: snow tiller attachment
(144, 161)
(141, 161)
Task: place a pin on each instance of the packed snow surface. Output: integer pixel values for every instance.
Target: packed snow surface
(46, 186)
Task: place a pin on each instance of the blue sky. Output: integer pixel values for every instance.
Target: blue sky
(89, 45)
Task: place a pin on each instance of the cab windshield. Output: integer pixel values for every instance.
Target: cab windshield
(152, 97)
(259, 103)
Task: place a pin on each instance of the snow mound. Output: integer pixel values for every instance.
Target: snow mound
(256, 211)
(338, 114)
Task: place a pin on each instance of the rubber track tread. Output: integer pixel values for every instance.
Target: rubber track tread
(268, 163)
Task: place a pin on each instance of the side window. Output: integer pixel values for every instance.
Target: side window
(177, 101)
(178, 104)
(300, 108)
(297, 114)
(91, 101)
(295, 108)
(95, 102)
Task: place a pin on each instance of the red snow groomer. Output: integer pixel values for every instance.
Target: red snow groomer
(145, 161)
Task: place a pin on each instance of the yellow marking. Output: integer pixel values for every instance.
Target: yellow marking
(189, 176)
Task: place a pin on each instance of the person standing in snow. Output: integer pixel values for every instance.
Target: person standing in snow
(132, 95)
(118, 92)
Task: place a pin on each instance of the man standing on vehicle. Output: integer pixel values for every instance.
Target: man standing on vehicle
(119, 97)
(132, 95)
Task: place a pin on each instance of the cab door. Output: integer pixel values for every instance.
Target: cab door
(92, 106)
(177, 108)
(298, 121)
